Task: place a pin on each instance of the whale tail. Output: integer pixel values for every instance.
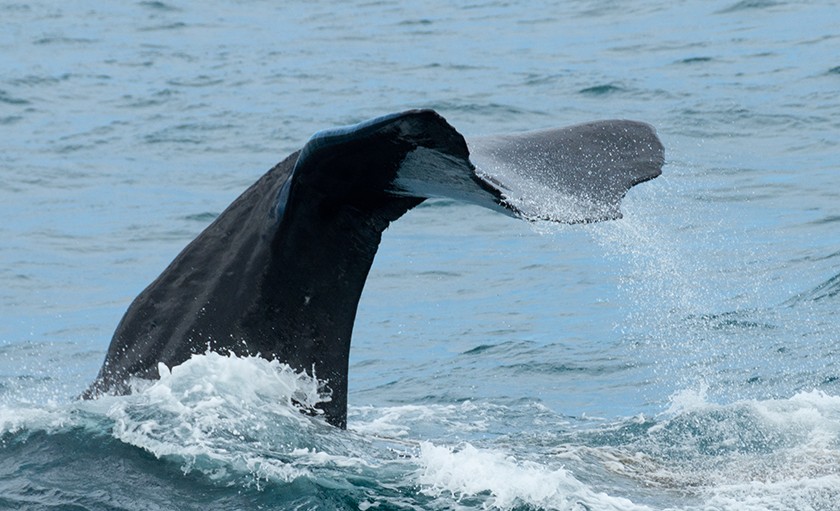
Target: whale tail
(280, 272)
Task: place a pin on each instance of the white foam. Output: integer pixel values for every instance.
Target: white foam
(814, 410)
(220, 413)
(799, 494)
(399, 421)
(469, 472)
(749, 455)
(254, 378)
(24, 417)
(688, 400)
(809, 418)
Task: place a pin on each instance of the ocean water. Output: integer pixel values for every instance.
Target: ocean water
(685, 357)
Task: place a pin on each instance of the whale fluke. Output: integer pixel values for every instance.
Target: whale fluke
(575, 174)
(280, 272)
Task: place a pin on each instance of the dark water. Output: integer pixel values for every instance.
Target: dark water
(684, 357)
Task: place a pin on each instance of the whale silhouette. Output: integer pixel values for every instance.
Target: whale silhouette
(280, 272)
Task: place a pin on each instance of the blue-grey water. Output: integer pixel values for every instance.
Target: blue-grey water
(686, 357)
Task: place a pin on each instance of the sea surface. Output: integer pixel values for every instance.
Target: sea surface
(685, 357)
